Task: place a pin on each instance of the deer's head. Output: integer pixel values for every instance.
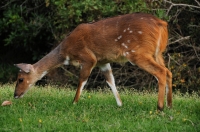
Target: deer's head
(25, 79)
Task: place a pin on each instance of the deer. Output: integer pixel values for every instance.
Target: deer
(138, 38)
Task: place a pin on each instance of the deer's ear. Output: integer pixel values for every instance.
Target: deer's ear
(24, 67)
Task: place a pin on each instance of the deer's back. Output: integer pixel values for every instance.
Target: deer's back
(110, 39)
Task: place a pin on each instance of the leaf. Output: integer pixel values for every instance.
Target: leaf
(5, 103)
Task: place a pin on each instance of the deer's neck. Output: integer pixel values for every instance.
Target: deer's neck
(48, 62)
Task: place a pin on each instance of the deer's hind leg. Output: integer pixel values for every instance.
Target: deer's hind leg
(148, 63)
(160, 60)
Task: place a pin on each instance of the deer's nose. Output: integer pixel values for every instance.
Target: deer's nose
(16, 96)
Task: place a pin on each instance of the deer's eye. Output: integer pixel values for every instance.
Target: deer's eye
(21, 80)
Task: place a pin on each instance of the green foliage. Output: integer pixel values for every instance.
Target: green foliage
(29, 29)
(185, 61)
(51, 109)
(24, 26)
(70, 13)
(6, 73)
(183, 50)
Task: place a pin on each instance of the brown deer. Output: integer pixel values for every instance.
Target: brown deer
(138, 38)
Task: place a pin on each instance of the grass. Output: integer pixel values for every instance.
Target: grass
(50, 109)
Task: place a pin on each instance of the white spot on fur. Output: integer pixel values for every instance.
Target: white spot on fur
(156, 78)
(43, 74)
(132, 50)
(27, 81)
(132, 63)
(128, 28)
(127, 53)
(130, 31)
(141, 18)
(140, 32)
(75, 63)
(116, 40)
(158, 46)
(66, 62)
(105, 67)
(124, 54)
(123, 44)
(16, 97)
(30, 85)
(128, 41)
(120, 37)
(82, 85)
(124, 30)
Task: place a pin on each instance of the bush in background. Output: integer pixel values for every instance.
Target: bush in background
(30, 29)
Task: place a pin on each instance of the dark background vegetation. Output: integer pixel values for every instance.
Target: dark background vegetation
(29, 29)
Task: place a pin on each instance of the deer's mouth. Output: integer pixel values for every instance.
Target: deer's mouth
(18, 96)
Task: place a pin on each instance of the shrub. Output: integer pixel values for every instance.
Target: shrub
(29, 29)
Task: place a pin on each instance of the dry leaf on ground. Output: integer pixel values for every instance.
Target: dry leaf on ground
(6, 103)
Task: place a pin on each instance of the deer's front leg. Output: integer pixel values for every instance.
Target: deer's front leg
(86, 68)
(107, 71)
(79, 90)
(84, 74)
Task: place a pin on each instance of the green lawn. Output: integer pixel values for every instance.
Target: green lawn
(51, 109)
